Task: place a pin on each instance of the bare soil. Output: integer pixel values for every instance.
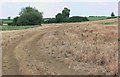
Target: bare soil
(87, 48)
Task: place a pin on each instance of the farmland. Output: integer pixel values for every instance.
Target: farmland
(10, 27)
(86, 48)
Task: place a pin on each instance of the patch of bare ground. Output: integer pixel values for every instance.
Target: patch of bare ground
(88, 48)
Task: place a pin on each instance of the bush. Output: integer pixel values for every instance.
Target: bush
(77, 19)
(11, 23)
(65, 19)
(53, 20)
(92, 16)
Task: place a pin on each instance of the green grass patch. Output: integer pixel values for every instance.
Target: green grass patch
(15, 27)
(96, 18)
(7, 22)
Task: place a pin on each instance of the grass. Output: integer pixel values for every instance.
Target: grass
(15, 27)
(6, 21)
(9, 21)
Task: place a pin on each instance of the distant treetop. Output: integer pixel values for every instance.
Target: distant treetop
(112, 14)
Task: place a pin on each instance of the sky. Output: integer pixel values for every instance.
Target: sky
(51, 7)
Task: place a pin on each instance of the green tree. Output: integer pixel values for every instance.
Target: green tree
(9, 18)
(59, 17)
(64, 16)
(112, 14)
(15, 20)
(30, 16)
(66, 12)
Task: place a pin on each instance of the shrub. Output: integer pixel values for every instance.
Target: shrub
(77, 19)
(65, 19)
(11, 23)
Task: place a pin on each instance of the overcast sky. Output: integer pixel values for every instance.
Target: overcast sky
(50, 9)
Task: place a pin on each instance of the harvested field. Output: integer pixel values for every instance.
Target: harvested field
(87, 48)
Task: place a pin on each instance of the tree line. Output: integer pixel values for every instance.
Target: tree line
(31, 16)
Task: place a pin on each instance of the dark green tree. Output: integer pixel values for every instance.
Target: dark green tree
(30, 16)
(112, 14)
(59, 17)
(64, 16)
(15, 20)
(9, 18)
(66, 12)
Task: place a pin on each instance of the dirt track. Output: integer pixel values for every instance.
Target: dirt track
(67, 49)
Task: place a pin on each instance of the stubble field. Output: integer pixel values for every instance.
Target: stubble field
(87, 48)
